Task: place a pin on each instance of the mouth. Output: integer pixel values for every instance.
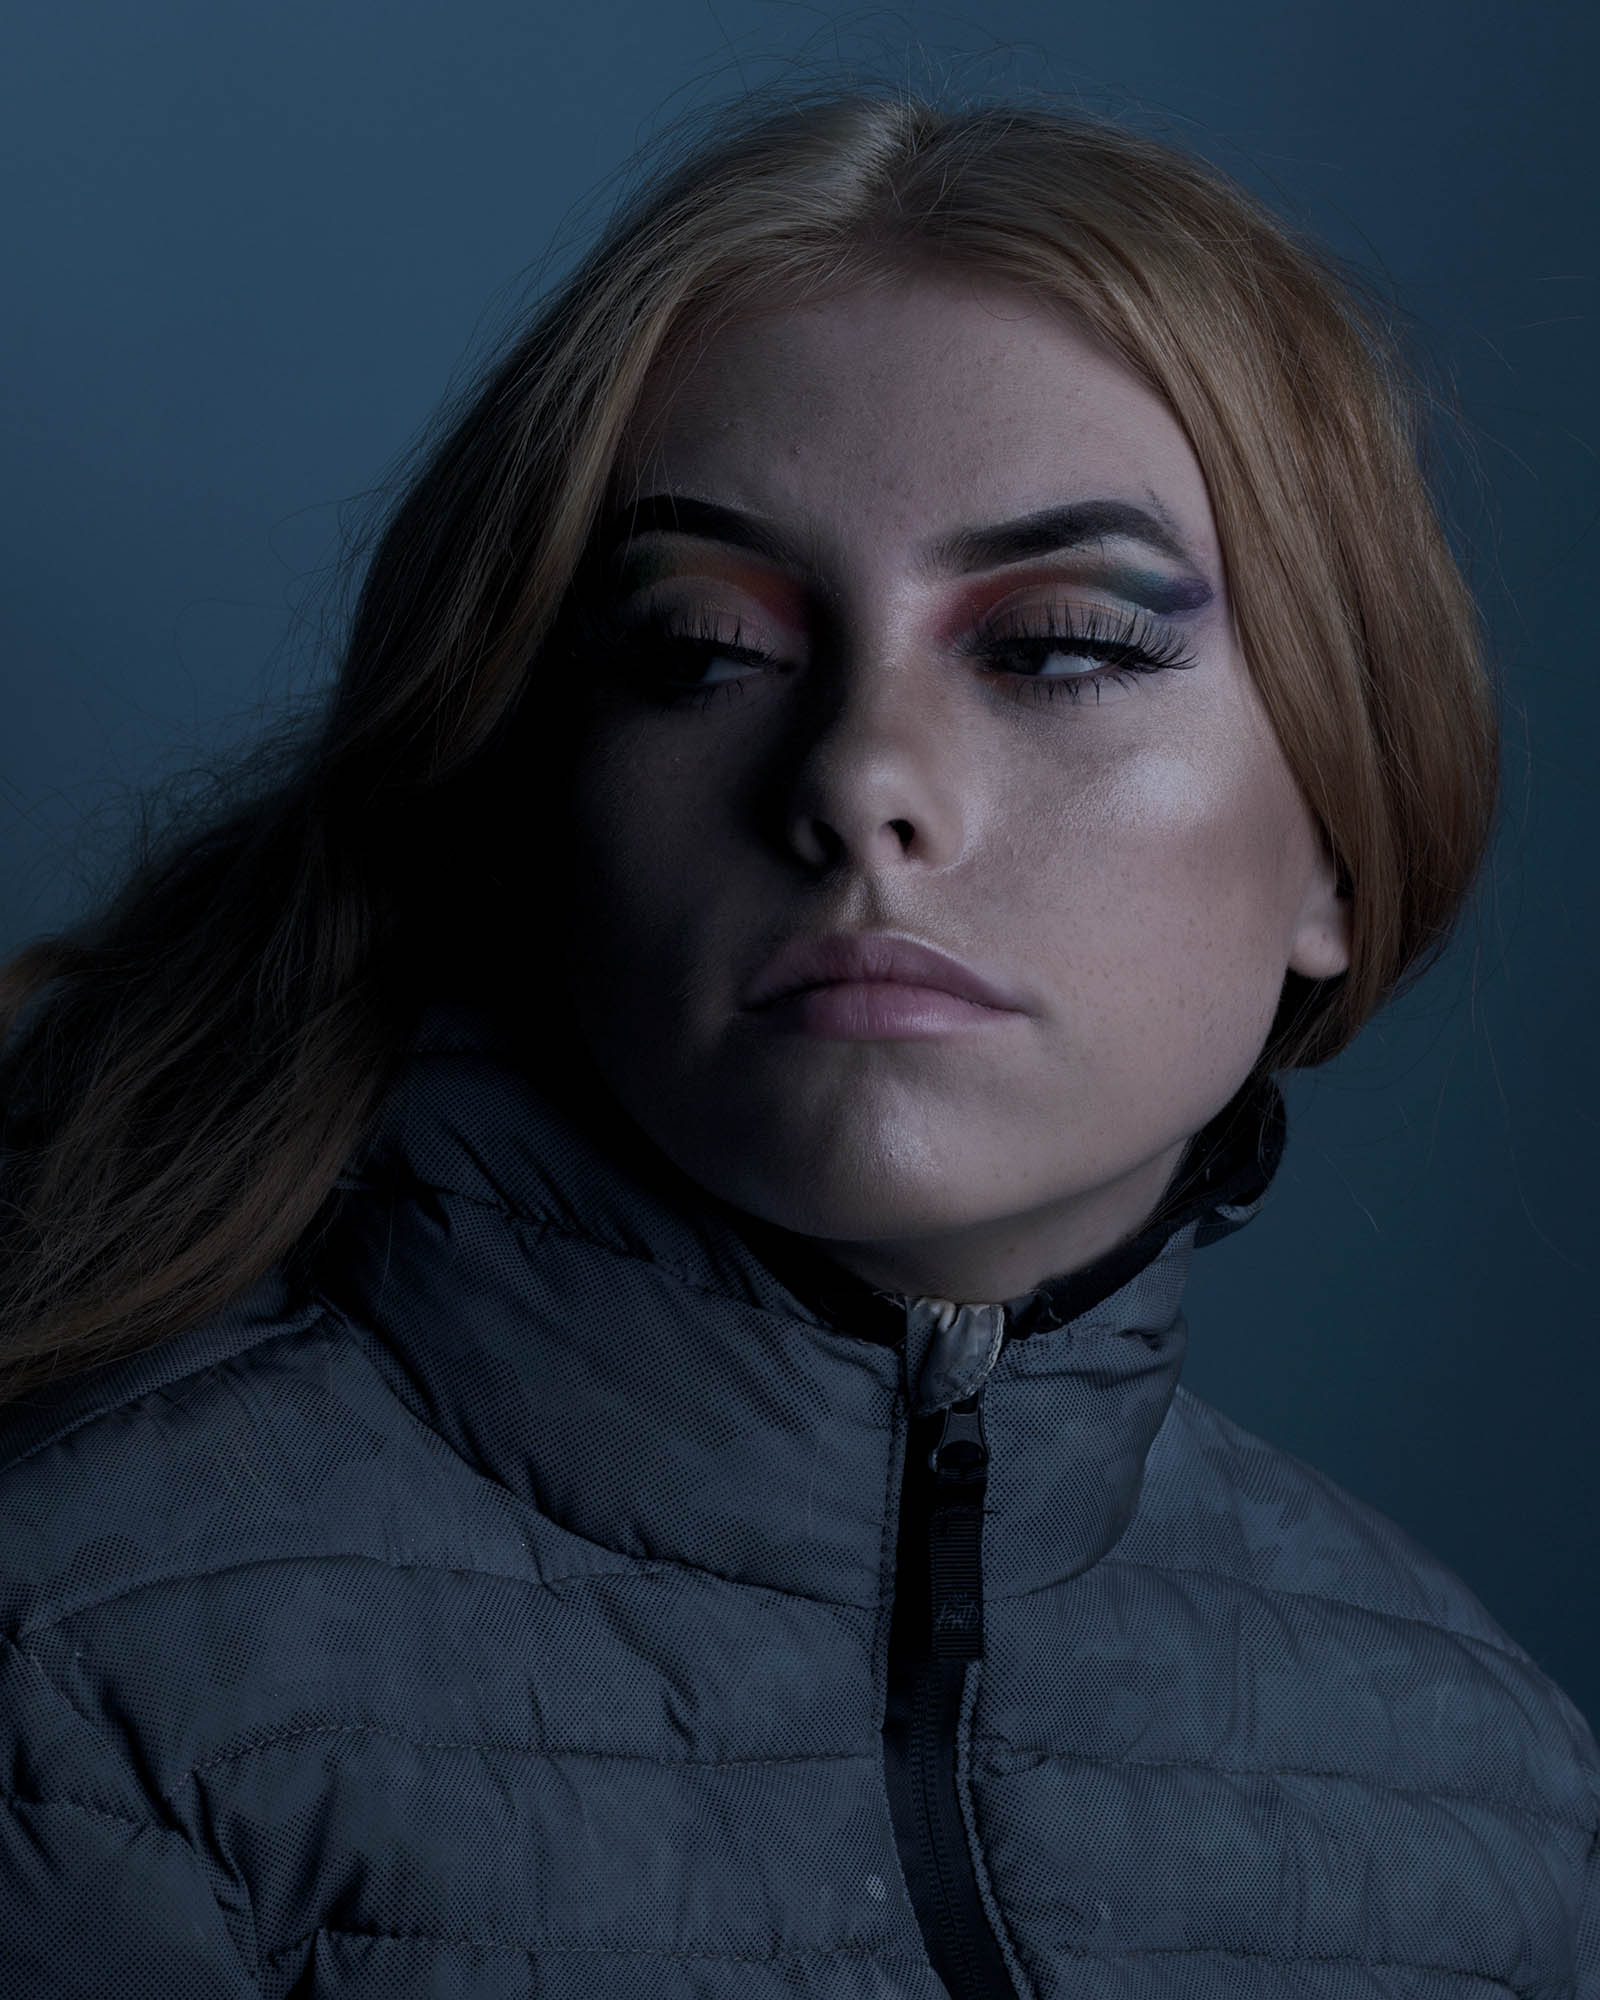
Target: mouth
(869, 1010)
(857, 960)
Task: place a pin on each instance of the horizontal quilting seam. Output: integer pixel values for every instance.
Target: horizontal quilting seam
(1304, 1958)
(645, 1568)
(96, 1730)
(884, 1954)
(243, 1563)
(79, 1805)
(268, 1337)
(31, 1660)
(538, 1218)
(662, 1569)
(273, 1738)
(1222, 1576)
(1442, 1792)
(138, 1821)
(546, 1225)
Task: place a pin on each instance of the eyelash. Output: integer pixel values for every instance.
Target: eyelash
(1130, 643)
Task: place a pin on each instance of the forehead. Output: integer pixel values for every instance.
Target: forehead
(900, 410)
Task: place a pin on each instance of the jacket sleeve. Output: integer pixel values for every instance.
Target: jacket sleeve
(1588, 1981)
(97, 1896)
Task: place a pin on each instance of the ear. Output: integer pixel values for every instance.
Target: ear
(1320, 945)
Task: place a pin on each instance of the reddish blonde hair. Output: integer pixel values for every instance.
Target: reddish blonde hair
(201, 1056)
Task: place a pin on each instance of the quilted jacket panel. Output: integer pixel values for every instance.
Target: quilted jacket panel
(505, 1612)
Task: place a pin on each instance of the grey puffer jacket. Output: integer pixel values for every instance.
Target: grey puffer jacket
(564, 1587)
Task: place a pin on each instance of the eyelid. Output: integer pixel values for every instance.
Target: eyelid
(791, 604)
(1020, 622)
(1053, 598)
(1160, 597)
(1002, 619)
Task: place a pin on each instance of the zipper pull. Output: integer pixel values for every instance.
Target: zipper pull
(962, 1452)
(959, 1463)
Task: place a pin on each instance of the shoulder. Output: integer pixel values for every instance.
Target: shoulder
(1381, 1623)
(265, 1437)
(252, 1535)
(1245, 1505)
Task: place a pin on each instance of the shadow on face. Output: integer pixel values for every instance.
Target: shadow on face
(913, 621)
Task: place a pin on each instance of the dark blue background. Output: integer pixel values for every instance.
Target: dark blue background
(248, 247)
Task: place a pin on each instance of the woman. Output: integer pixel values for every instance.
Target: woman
(594, 1278)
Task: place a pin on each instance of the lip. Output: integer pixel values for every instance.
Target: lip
(877, 957)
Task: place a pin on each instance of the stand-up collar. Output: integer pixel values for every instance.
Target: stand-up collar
(666, 1377)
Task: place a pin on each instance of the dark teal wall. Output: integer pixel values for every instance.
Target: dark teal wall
(246, 248)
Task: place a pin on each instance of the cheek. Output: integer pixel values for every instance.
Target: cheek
(1220, 823)
(632, 846)
(1182, 867)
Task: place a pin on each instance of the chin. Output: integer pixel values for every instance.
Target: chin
(872, 1206)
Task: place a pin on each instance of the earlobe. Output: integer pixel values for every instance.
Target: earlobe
(1321, 947)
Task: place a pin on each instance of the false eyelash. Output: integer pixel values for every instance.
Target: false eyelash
(658, 636)
(1130, 643)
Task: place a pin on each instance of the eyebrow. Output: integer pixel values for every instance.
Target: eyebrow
(958, 554)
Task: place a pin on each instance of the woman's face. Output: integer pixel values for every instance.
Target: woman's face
(863, 732)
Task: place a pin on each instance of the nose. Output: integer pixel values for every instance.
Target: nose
(874, 775)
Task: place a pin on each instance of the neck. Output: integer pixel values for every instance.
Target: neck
(995, 1260)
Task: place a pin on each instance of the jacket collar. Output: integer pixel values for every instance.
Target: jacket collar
(666, 1377)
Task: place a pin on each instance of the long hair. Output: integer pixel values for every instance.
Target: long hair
(186, 1070)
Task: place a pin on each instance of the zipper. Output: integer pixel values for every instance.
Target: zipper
(936, 1628)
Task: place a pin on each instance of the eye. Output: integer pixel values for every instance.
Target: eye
(1070, 650)
(671, 653)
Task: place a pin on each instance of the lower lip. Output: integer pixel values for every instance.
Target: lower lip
(865, 1010)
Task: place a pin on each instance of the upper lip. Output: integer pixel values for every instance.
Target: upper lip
(851, 955)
